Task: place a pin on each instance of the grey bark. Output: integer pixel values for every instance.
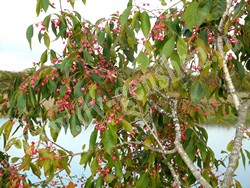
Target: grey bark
(235, 154)
(196, 173)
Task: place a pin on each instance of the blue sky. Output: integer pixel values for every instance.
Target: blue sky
(17, 15)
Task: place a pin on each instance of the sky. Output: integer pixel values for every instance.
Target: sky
(16, 16)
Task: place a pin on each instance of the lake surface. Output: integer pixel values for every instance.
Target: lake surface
(218, 138)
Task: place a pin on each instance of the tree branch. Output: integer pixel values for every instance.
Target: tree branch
(235, 154)
(158, 141)
(177, 182)
(158, 108)
(154, 132)
(221, 51)
(128, 143)
(196, 173)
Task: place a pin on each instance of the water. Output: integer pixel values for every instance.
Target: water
(219, 136)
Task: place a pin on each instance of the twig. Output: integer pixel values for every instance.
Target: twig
(69, 152)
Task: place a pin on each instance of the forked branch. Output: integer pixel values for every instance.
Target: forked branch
(196, 173)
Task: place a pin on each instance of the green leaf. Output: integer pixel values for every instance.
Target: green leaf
(67, 62)
(129, 3)
(110, 178)
(142, 181)
(203, 133)
(44, 57)
(18, 144)
(203, 36)
(230, 146)
(248, 65)
(118, 168)
(99, 182)
(84, 2)
(132, 41)
(85, 157)
(38, 7)
(203, 11)
(32, 97)
(72, 2)
(141, 94)
(124, 16)
(202, 51)
(46, 22)
(10, 143)
(52, 86)
(182, 48)
(29, 34)
(145, 23)
(92, 91)
(248, 154)
(52, 55)
(40, 36)
(46, 154)
(129, 54)
(6, 124)
(148, 46)
(96, 77)
(75, 125)
(206, 176)
(202, 149)
(143, 62)
(101, 37)
(88, 58)
(219, 59)
(190, 149)
(190, 15)
(77, 90)
(217, 9)
(240, 69)
(55, 129)
(89, 182)
(163, 3)
(45, 5)
(92, 140)
(15, 159)
(21, 102)
(46, 39)
(168, 47)
(25, 163)
(243, 157)
(238, 185)
(94, 166)
(148, 142)
(108, 141)
(127, 126)
(53, 27)
(197, 92)
(135, 19)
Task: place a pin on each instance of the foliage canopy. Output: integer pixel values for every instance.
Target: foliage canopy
(145, 79)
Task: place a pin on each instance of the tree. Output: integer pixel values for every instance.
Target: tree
(145, 95)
